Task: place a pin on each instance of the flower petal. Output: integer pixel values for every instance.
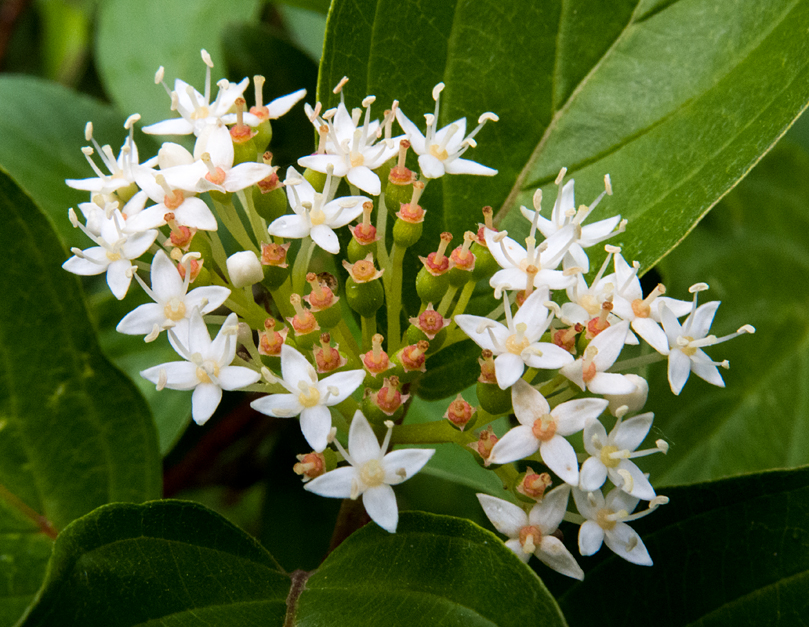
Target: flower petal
(630, 433)
(546, 356)
(237, 377)
(413, 133)
(180, 375)
(290, 227)
(465, 166)
(508, 368)
(572, 416)
(402, 464)
(611, 383)
(315, 426)
(529, 404)
(517, 443)
(551, 510)
(118, 277)
(362, 442)
(678, 370)
(591, 537)
(295, 368)
(195, 213)
(553, 553)
(324, 237)
(335, 484)
(278, 405)
(640, 487)
(380, 503)
(345, 382)
(204, 402)
(560, 456)
(431, 167)
(592, 475)
(166, 281)
(364, 178)
(470, 325)
(506, 517)
(280, 106)
(141, 320)
(621, 537)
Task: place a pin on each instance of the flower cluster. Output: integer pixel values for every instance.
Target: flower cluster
(550, 344)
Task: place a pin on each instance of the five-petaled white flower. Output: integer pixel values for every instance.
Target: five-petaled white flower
(308, 397)
(315, 216)
(114, 253)
(351, 148)
(173, 304)
(611, 454)
(545, 429)
(686, 343)
(531, 533)
(182, 207)
(371, 473)
(440, 151)
(207, 368)
(515, 343)
(606, 522)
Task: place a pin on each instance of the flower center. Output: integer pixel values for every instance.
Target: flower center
(218, 178)
(544, 428)
(530, 537)
(687, 350)
(174, 199)
(174, 309)
(316, 217)
(207, 368)
(113, 256)
(603, 519)
(591, 305)
(372, 473)
(309, 397)
(606, 459)
(438, 152)
(640, 308)
(200, 113)
(356, 159)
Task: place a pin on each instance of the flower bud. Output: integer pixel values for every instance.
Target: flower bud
(634, 401)
(276, 268)
(364, 291)
(533, 485)
(244, 269)
(485, 443)
(387, 403)
(328, 357)
(376, 363)
(459, 412)
(310, 466)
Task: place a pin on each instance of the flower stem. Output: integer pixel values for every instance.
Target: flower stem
(637, 362)
(39, 520)
(443, 307)
(256, 221)
(393, 297)
(347, 340)
(233, 223)
(301, 265)
(430, 433)
(217, 250)
(381, 231)
(368, 331)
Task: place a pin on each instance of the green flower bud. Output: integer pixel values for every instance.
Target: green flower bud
(405, 234)
(430, 288)
(316, 179)
(492, 399)
(263, 136)
(270, 205)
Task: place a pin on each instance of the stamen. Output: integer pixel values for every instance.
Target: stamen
(258, 85)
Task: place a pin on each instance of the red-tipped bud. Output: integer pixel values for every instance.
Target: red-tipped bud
(486, 361)
(459, 412)
(430, 322)
(310, 466)
(274, 255)
(533, 485)
(485, 443)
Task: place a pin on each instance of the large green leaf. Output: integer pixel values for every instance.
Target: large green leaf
(676, 100)
(733, 552)
(75, 433)
(754, 253)
(135, 38)
(42, 126)
(435, 570)
(166, 563)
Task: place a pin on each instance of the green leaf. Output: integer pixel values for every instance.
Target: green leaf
(171, 562)
(319, 6)
(753, 251)
(80, 433)
(42, 126)
(733, 552)
(135, 38)
(675, 100)
(450, 371)
(435, 570)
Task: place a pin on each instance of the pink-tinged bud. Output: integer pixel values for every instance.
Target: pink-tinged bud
(533, 485)
(272, 182)
(241, 132)
(327, 357)
(376, 360)
(486, 361)
(488, 214)
(181, 237)
(412, 212)
(321, 297)
(566, 338)
(459, 412)
(196, 267)
(363, 271)
(413, 357)
(270, 341)
(399, 174)
(461, 258)
(388, 398)
(486, 441)
(303, 321)
(310, 466)
(274, 255)
(365, 232)
(430, 322)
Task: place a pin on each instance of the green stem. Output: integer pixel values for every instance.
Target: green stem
(256, 222)
(393, 297)
(368, 331)
(546, 389)
(430, 433)
(463, 299)
(346, 339)
(281, 296)
(381, 231)
(220, 257)
(637, 362)
(301, 266)
(508, 475)
(443, 306)
(233, 223)
(38, 519)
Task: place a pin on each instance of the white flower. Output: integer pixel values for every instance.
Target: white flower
(371, 473)
(643, 313)
(515, 344)
(187, 210)
(606, 522)
(351, 149)
(207, 368)
(315, 216)
(173, 304)
(611, 455)
(589, 370)
(196, 109)
(531, 533)
(440, 151)
(272, 111)
(534, 265)
(114, 253)
(586, 301)
(121, 170)
(544, 429)
(686, 342)
(308, 397)
(565, 213)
